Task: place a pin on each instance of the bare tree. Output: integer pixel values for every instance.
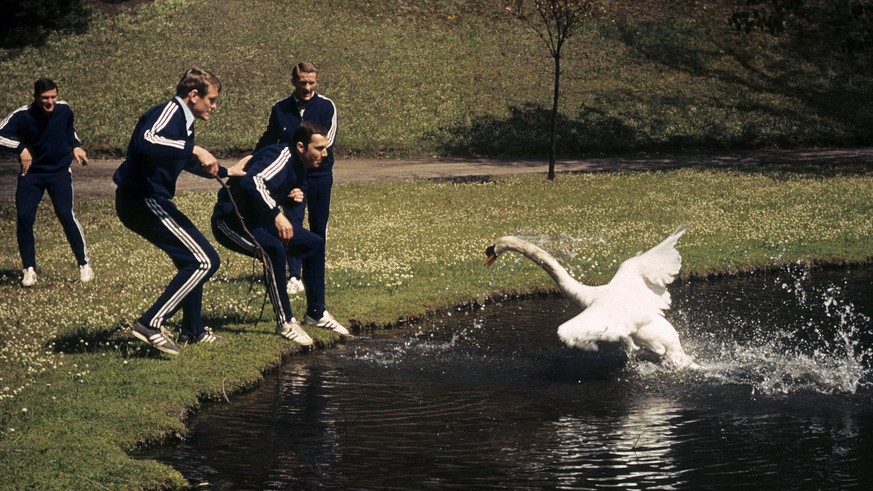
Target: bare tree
(555, 21)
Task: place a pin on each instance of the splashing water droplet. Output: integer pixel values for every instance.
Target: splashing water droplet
(808, 340)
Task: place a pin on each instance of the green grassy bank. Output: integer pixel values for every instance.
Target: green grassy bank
(78, 393)
(412, 77)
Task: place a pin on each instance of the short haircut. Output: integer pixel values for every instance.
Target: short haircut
(303, 67)
(303, 133)
(198, 79)
(43, 85)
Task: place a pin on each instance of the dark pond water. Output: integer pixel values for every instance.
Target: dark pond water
(492, 399)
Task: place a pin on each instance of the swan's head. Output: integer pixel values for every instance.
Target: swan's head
(500, 245)
(491, 252)
(505, 243)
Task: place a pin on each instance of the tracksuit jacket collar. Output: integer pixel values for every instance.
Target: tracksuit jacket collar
(189, 116)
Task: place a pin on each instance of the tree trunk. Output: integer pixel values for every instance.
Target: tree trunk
(553, 143)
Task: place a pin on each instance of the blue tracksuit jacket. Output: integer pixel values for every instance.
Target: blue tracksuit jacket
(269, 178)
(160, 148)
(50, 138)
(285, 118)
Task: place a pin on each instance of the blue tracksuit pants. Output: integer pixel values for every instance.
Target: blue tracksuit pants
(159, 221)
(28, 194)
(305, 245)
(318, 204)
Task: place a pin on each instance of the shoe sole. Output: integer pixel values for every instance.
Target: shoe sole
(293, 338)
(166, 349)
(345, 332)
(305, 342)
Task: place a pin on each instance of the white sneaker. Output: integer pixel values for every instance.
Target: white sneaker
(86, 274)
(294, 286)
(292, 330)
(326, 322)
(29, 278)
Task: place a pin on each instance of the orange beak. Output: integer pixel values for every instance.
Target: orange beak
(492, 256)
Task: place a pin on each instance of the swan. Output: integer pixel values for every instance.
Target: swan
(629, 309)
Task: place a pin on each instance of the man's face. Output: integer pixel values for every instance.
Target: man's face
(201, 105)
(47, 100)
(312, 154)
(304, 86)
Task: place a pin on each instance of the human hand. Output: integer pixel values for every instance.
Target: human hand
(25, 160)
(80, 156)
(283, 226)
(239, 168)
(296, 195)
(207, 161)
(245, 160)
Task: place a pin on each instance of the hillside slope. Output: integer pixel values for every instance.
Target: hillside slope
(460, 78)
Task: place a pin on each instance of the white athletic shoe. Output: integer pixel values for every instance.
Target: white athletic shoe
(294, 286)
(29, 277)
(292, 330)
(326, 322)
(86, 274)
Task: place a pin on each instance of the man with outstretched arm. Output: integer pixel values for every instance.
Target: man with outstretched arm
(273, 178)
(44, 137)
(162, 145)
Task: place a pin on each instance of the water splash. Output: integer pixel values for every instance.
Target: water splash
(428, 341)
(812, 342)
(783, 334)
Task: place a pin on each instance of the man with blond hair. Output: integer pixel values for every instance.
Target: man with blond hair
(305, 104)
(161, 147)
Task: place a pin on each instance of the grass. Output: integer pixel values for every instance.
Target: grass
(460, 78)
(78, 394)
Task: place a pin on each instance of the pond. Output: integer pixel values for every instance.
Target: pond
(492, 399)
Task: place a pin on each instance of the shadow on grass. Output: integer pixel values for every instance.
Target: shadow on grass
(525, 132)
(118, 340)
(593, 135)
(10, 277)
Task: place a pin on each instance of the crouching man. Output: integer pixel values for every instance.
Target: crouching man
(161, 147)
(275, 177)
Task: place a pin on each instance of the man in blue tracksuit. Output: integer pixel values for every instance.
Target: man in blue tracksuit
(305, 104)
(162, 145)
(43, 136)
(273, 179)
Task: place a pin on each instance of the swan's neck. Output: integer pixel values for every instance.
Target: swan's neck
(568, 285)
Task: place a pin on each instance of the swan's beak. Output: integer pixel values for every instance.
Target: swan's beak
(492, 255)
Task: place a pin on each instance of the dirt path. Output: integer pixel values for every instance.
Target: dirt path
(96, 179)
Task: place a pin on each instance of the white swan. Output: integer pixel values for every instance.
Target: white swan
(629, 309)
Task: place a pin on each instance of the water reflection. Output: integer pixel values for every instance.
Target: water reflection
(492, 399)
(635, 449)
